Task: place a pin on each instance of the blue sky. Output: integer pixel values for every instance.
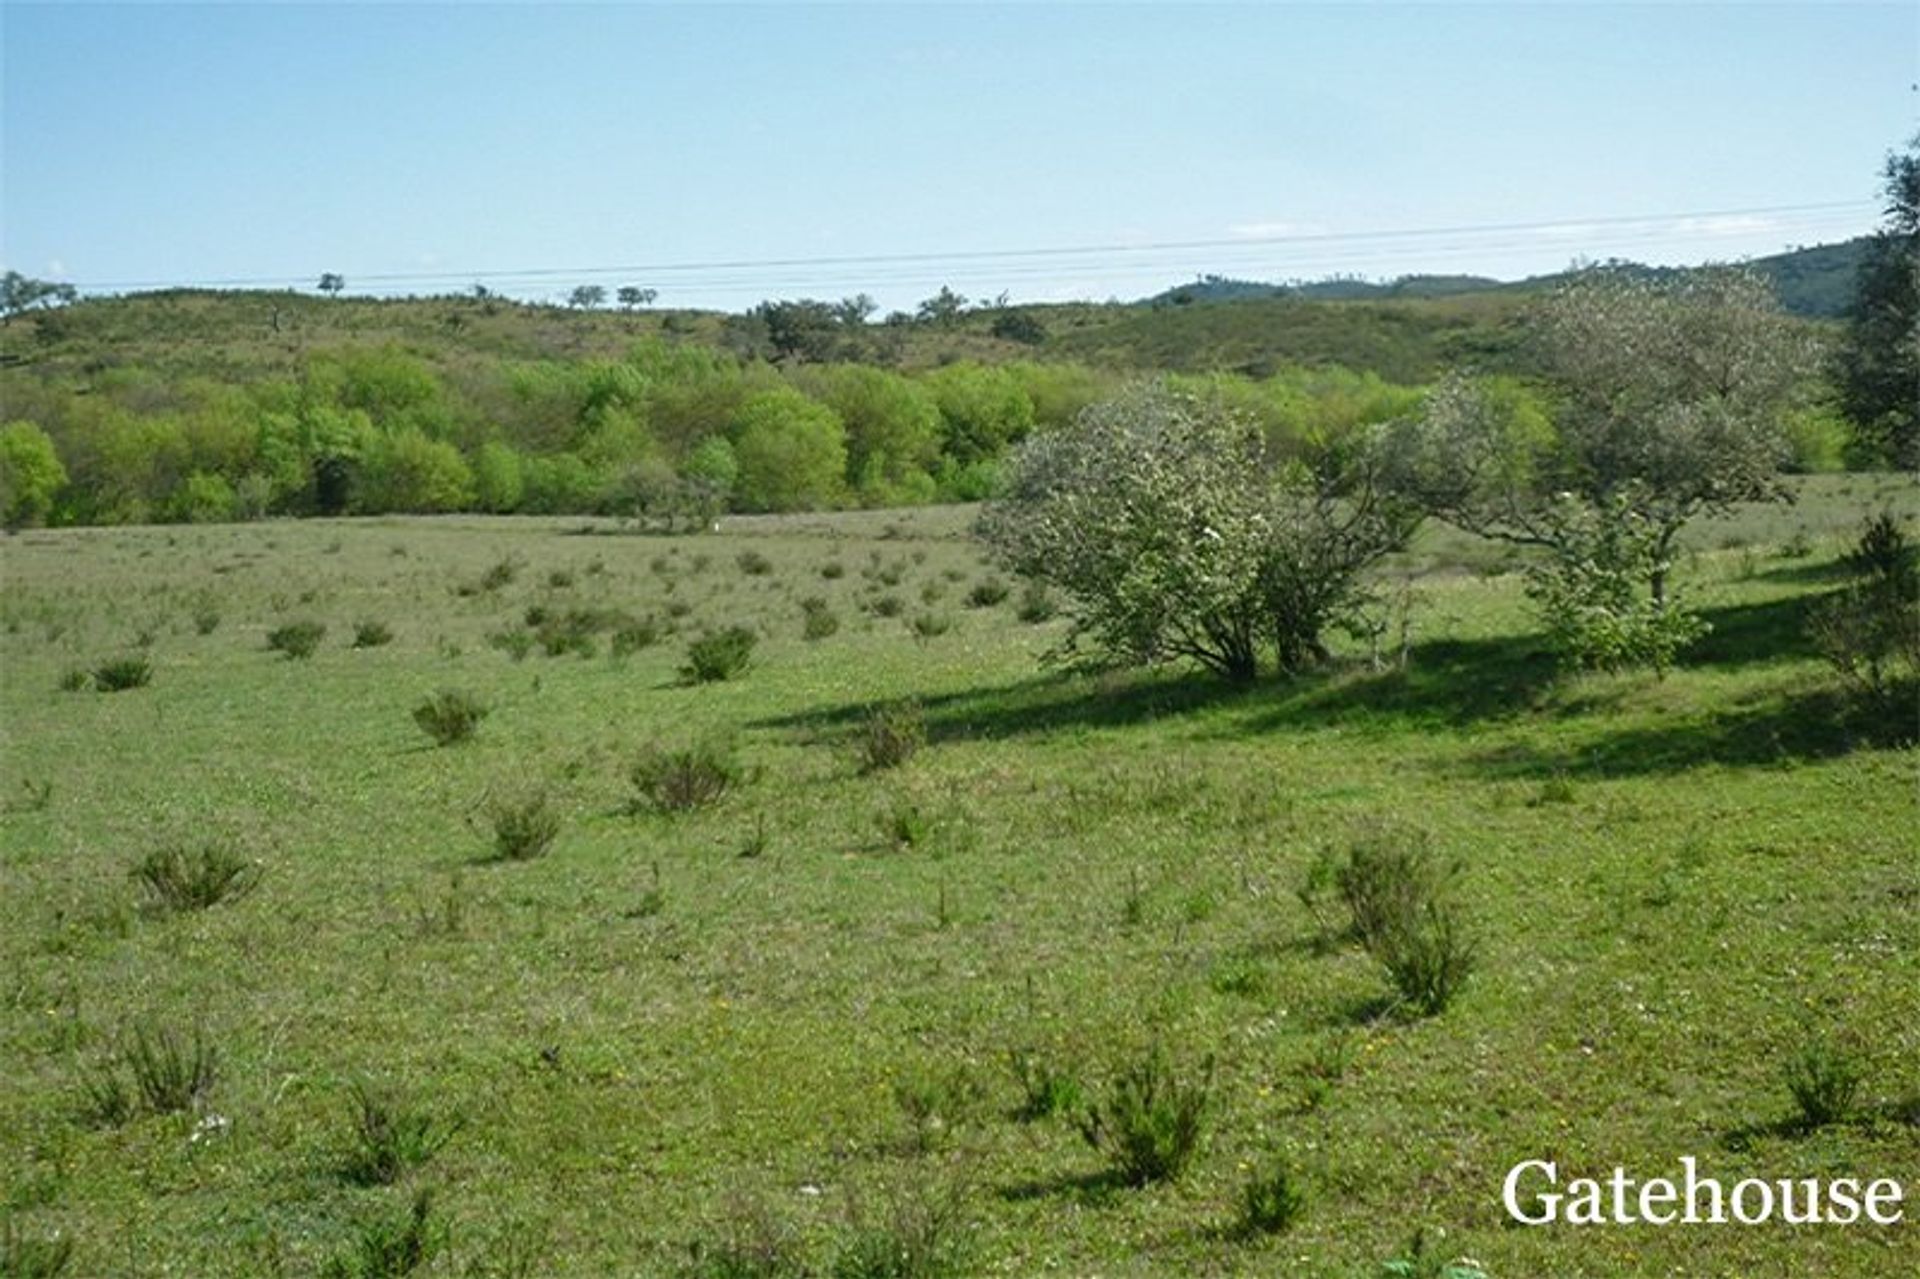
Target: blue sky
(436, 144)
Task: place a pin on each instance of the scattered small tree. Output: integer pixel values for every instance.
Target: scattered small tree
(1175, 534)
(587, 297)
(19, 293)
(331, 284)
(1664, 399)
(1878, 364)
(632, 297)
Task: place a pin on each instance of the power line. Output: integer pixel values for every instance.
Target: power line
(1062, 256)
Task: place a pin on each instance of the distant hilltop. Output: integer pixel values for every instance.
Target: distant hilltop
(1815, 282)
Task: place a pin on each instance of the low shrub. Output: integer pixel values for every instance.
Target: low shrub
(77, 679)
(515, 644)
(920, 1236)
(891, 735)
(686, 778)
(1271, 1200)
(24, 1256)
(987, 593)
(1149, 1122)
(450, 716)
(1036, 604)
(928, 626)
(392, 1245)
(753, 563)
(719, 655)
(389, 1137)
(372, 634)
(178, 878)
(631, 637)
(1823, 1077)
(122, 673)
(1044, 1089)
(171, 1073)
(298, 640)
(524, 824)
(817, 621)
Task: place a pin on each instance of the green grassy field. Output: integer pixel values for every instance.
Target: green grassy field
(776, 1009)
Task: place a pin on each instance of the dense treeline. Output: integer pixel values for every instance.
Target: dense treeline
(671, 433)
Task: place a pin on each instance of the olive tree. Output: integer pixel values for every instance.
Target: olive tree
(1174, 534)
(1660, 400)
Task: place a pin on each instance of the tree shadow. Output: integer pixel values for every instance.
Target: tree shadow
(1763, 732)
(1046, 704)
(1823, 572)
(1746, 634)
(1093, 1189)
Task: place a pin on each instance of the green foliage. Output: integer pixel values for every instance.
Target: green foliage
(450, 716)
(1592, 589)
(389, 1136)
(987, 593)
(372, 633)
(817, 621)
(31, 475)
(392, 1245)
(982, 409)
(1271, 1199)
(170, 1072)
(1148, 1121)
(792, 452)
(1877, 364)
(891, 735)
(1398, 897)
(1668, 400)
(1869, 630)
(719, 655)
(1823, 1076)
(25, 1256)
(920, 1236)
(298, 640)
(1045, 1090)
(1173, 535)
(180, 878)
(524, 824)
(407, 471)
(121, 673)
(684, 778)
(77, 679)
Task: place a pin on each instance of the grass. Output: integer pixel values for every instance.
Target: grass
(1728, 861)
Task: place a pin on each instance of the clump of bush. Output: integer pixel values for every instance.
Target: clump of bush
(171, 1072)
(178, 878)
(632, 636)
(372, 634)
(817, 621)
(987, 593)
(24, 1256)
(719, 655)
(1271, 1200)
(297, 640)
(753, 563)
(929, 626)
(1045, 1090)
(685, 778)
(1036, 604)
(524, 824)
(393, 1244)
(450, 716)
(388, 1136)
(78, 679)
(1824, 1078)
(1869, 630)
(1150, 1121)
(891, 735)
(1398, 897)
(121, 673)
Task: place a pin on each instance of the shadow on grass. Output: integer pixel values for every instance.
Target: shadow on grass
(1449, 683)
(1812, 725)
(1044, 704)
(1091, 1188)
